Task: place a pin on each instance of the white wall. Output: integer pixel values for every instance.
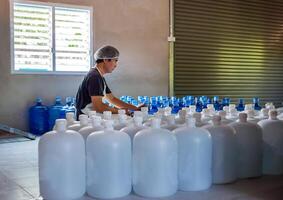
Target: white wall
(138, 28)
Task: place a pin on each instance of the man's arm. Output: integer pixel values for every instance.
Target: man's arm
(100, 107)
(120, 104)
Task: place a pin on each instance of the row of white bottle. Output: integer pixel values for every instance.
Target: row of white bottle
(206, 155)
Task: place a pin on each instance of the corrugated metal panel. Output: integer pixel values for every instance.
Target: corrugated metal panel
(229, 48)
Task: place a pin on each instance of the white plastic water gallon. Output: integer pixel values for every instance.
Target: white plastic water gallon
(249, 141)
(95, 126)
(132, 129)
(155, 162)
(61, 156)
(83, 122)
(108, 163)
(194, 157)
(70, 117)
(171, 125)
(224, 169)
(272, 144)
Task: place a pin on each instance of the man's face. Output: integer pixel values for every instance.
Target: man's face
(110, 65)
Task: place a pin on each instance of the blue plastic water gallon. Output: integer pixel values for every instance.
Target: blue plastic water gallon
(38, 118)
(55, 112)
(69, 107)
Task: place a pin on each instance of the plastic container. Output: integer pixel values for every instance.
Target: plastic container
(272, 130)
(132, 129)
(70, 117)
(224, 169)
(54, 112)
(83, 123)
(194, 157)
(155, 162)
(95, 126)
(38, 118)
(108, 163)
(249, 141)
(61, 156)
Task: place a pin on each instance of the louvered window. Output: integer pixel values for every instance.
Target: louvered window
(50, 38)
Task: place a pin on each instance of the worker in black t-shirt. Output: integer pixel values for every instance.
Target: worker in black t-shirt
(94, 87)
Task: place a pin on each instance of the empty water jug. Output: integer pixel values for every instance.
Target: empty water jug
(62, 164)
(224, 151)
(194, 157)
(272, 144)
(54, 112)
(108, 163)
(249, 141)
(155, 162)
(38, 118)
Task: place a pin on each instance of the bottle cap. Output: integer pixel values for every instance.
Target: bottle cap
(144, 109)
(60, 125)
(96, 120)
(191, 122)
(243, 117)
(138, 120)
(155, 123)
(91, 112)
(222, 114)
(107, 115)
(216, 120)
(83, 119)
(70, 116)
(272, 114)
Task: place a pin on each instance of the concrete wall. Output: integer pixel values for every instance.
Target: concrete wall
(138, 28)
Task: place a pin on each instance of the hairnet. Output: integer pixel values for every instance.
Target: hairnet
(106, 52)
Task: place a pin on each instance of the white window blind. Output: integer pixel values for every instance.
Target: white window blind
(32, 37)
(49, 38)
(72, 33)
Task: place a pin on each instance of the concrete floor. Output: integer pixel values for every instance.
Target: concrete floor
(19, 180)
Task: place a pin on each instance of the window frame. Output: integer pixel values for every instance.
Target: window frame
(53, 6)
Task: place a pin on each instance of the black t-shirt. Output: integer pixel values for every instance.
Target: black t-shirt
(93, 85)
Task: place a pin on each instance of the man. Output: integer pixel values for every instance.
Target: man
(94, 87)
